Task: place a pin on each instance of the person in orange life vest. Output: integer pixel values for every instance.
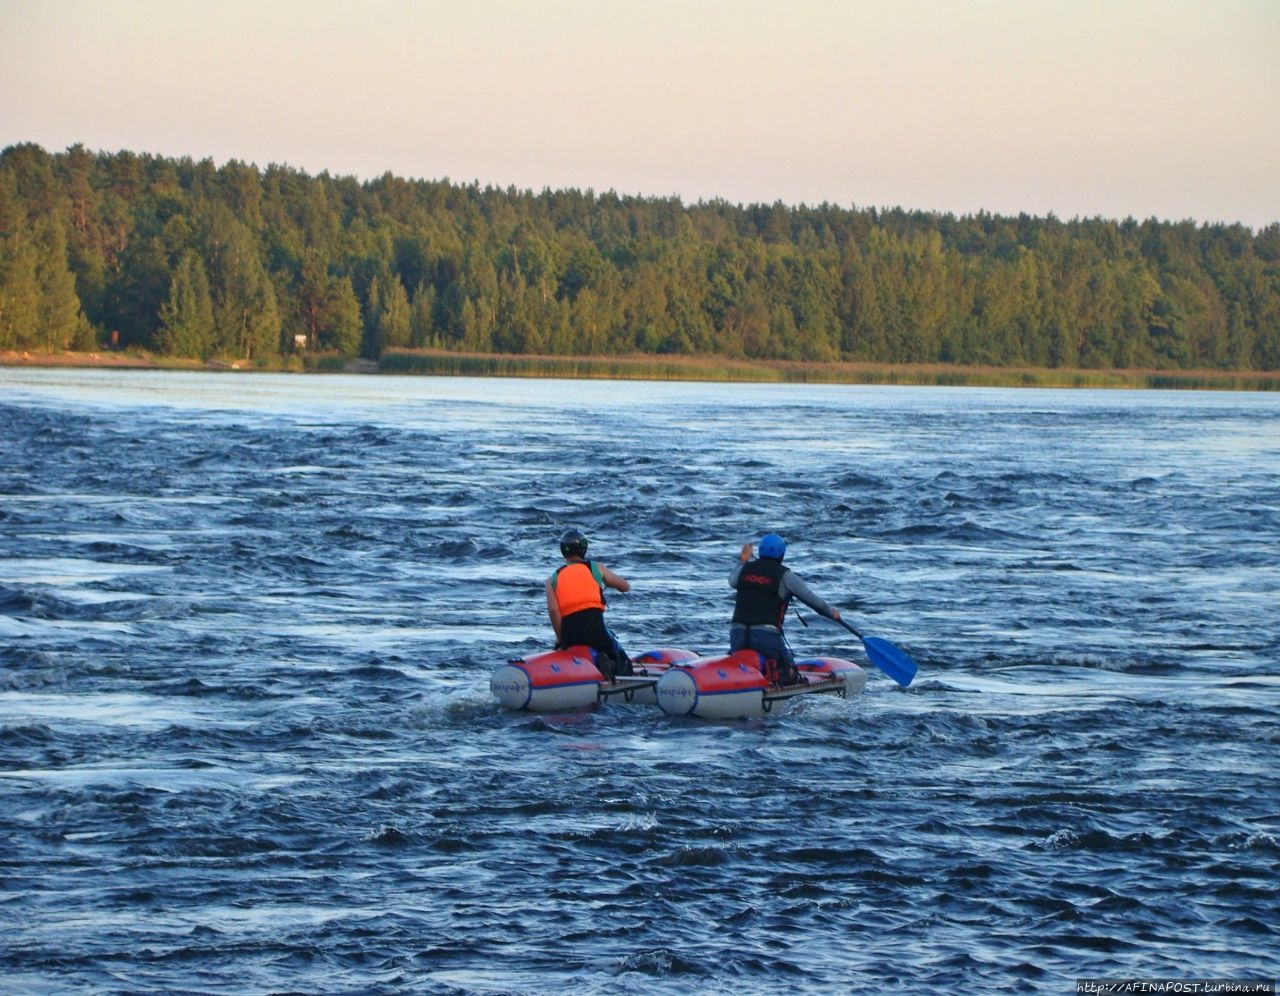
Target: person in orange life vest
(575, 604)
(765, 589)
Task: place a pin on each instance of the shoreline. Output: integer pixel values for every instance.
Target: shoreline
(132, 360)
(443, 363)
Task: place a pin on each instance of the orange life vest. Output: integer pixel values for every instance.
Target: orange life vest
(578, 586)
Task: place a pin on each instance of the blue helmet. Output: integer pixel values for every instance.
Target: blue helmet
(773, 546)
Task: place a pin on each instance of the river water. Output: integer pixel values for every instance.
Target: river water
(247, 745)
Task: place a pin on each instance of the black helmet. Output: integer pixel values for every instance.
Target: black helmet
(573, 543)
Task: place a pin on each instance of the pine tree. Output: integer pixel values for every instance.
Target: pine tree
(422, 326)
(19, 295)
(341, 330)
(186, 318)
(393, 322)
(245, 313)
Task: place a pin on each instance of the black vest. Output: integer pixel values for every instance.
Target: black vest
(758, 602)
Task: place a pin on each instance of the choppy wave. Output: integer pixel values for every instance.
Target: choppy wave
(247, 744)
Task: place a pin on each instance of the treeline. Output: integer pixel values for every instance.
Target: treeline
(188, 259)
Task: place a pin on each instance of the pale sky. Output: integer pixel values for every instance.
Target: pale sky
(1080, 108)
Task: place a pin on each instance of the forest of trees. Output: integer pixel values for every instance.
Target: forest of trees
(185, 258)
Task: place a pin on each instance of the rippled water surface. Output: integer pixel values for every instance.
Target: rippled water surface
(247, 624)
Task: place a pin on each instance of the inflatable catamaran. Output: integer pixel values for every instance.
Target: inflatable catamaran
(683, 683)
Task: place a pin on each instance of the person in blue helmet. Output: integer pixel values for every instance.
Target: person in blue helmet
(765, 588)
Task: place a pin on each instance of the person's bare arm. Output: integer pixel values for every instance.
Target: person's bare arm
(612, 580)
(553, 609)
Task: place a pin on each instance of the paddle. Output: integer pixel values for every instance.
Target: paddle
(892, 660)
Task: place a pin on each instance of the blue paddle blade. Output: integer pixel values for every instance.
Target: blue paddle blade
(892, 660)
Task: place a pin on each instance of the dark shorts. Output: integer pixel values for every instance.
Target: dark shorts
(770, 644)
(587, 628)
(767, 641)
